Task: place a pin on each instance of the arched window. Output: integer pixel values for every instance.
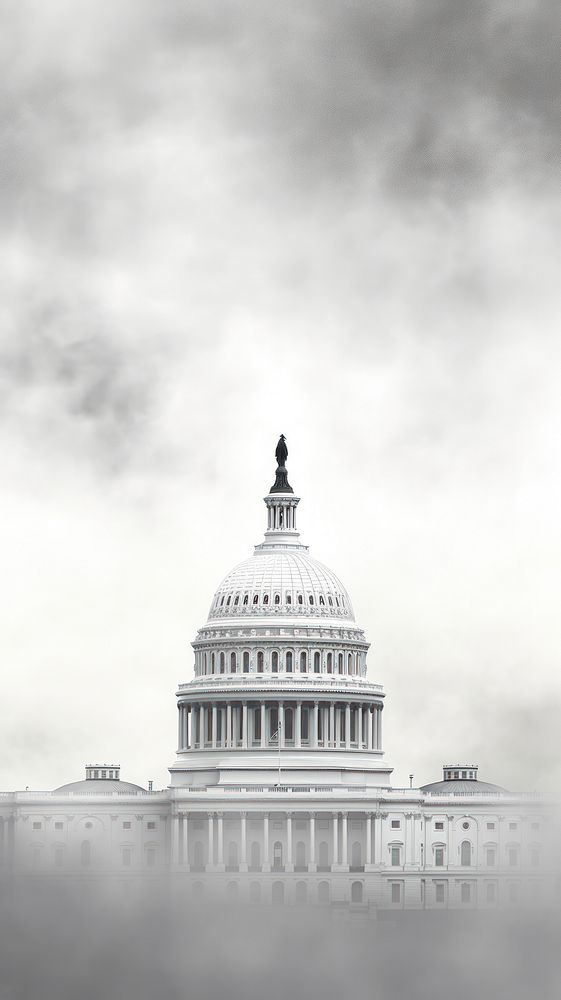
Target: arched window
(465, 853)
(301, 893)
(277, 598)
(265, 598)
(246, 662)
(356, 854)
(439, 856)
(275, 662)
(323, 893)
(222, 663)
(323, 855)
(232, 855)
(311, 598)
(86, 854)
(289, 598)
(228, 601)
(126, 856)
(340, 663)
(59, 856)
(277, 895)
(300, 599)
(330, 599)
(395, 853)
(256, 598)
(277, 855)
(260, 662)
(300, 854)
(233, 663)
(349, 664)
(303, 663)
(288, 662)
(151, 857)
(245, 598)
(316, 663)
(256, 725)
(254, 892)
(356, 892)
(236, 599)
(329, 662)
(255, 856)
(321, 599)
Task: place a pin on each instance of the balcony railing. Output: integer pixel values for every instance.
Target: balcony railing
(326, 682)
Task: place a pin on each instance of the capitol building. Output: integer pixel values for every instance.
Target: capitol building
(280, 791)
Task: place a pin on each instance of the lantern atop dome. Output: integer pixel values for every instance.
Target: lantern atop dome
(281, 484)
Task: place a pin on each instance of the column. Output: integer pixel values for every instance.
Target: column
(245, 742)
(263, 723)
(335, 858)
(180, 728)
(379, 728)
(228, 725)
(243, 857)
(347, 726)
(266, 858)
(298, 733)
(289, 864)
(315, 725)
(378, 839)
(375, 727)
(371, 728)
(281, 724)
(312, 862)
(211, 840)
(175, 840)
(359, 729)
(368, 860)
(214, 714)
(338, 725)
(220, 846)
(185, 840)
(344, 848)
(332, 724)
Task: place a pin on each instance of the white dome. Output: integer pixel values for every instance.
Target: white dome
(281, 581)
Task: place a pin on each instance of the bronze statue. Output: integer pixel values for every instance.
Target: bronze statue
(281, 453)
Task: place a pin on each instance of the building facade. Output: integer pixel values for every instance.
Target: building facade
(279, 789)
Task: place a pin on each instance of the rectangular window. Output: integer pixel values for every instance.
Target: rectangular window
(439, 826)
(490, 826)
(513, 856)
(126, 825)
(59, 857)
(535, 826)
(150, 857)
(439, 890)
(127, 857)
(37, 826)
(151, 825)
(490, 857)
(513, 826)
(439, 857)
(396, 856)
(465, 892)
(396, 824)
(396, 892)
(491, 892)
(59, 826)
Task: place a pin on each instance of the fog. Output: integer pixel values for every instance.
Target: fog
(60, 951)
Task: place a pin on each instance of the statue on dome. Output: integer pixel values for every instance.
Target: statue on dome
(281, 484)
(281, 453)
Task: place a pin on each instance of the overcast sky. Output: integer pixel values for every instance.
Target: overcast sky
(221, 221)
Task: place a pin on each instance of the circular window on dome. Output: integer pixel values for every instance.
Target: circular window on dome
(465, 826)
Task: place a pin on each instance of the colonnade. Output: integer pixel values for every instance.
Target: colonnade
(265, 724)
(222, 841)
